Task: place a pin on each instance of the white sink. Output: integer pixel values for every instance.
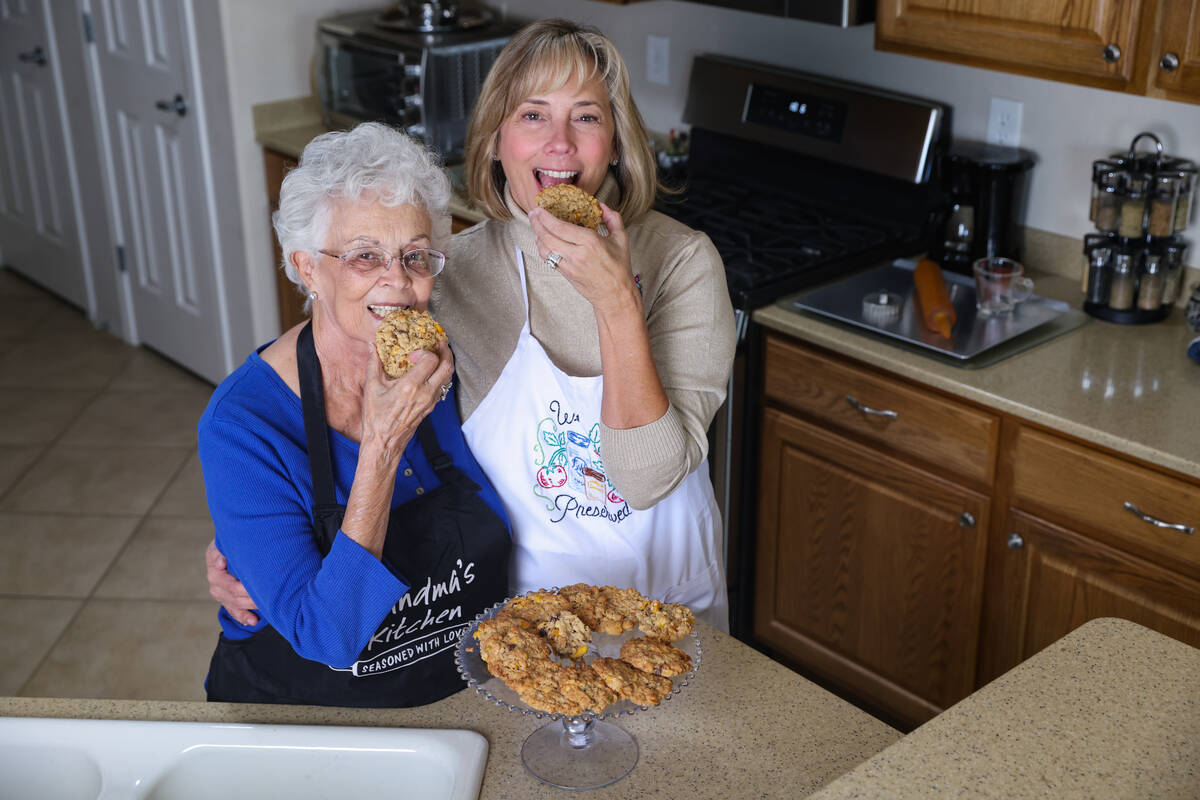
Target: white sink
(81, 758)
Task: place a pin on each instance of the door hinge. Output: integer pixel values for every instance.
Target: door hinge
(87, 28)
(121, 258)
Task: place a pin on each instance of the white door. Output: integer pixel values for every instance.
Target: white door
(159, 180)
(38, 229)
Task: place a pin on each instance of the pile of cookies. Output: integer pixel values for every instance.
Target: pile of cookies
(517, 644)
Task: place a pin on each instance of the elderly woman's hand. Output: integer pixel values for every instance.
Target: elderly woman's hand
(392, 408)
(597, 266)
(228, 590)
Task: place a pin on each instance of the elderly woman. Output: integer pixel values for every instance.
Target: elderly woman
(591, 368)
(347, 502)
(590, 364)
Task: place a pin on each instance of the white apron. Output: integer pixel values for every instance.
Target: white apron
(537, 436)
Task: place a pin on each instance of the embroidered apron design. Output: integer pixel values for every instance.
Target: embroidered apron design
(536, 434)
(446, 544)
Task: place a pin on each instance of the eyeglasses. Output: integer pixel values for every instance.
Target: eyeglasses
(419, 263)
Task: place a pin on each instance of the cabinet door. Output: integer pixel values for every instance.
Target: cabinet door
(1055, 39)
(1175, 71)
(291, 302)
(1061, 580)
(869, 574)
(38, 228)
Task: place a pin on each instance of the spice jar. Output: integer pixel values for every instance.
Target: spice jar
(1173, 265)
(1108, 202)
(1183, 204)
(1121, 290)
(1099, 277)
(1133, 207)
(1150, 287)
(1162, 204)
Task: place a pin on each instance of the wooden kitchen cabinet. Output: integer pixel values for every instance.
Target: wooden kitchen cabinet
(869, 566)
(911, 546)
(1102, 43)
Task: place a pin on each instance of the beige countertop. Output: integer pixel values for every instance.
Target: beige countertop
(1110, 710)
(745, 726)
(1130, 388)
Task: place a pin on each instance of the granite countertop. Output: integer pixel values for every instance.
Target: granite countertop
(1110, 710)
(1130, 388)
(744, 726)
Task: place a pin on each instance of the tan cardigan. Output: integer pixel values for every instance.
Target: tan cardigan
(688, 315)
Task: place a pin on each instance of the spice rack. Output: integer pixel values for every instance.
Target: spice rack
(1140, 205)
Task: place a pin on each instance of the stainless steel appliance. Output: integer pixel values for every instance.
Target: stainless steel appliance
(797, 179)
(418, 65)
(834, 12)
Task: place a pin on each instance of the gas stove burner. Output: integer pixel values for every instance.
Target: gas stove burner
(432, 17)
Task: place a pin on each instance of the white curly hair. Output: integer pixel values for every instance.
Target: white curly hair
(370, 161)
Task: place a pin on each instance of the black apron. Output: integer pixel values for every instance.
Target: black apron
(447, 544)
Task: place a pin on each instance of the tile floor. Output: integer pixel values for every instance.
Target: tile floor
(103, 521)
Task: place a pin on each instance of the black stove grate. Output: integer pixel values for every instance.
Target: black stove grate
(769, 237)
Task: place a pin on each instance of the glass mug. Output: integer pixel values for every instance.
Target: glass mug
(1000, 284)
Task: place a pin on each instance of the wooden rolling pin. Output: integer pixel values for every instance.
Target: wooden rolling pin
(937, 311)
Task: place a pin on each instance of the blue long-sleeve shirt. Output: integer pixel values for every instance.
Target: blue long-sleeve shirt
(260, 494)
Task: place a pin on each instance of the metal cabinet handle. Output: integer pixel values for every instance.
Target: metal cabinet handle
(178, 105)
(1111, 53)
(1015, 541)
(875, 412)
(1169, 62)
(966, 520)
(35, 56)
(1158, 523)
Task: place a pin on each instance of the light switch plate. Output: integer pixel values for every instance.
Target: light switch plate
(1004, 122)
(658, 55)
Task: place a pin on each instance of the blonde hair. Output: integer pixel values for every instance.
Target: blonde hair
(544, 57)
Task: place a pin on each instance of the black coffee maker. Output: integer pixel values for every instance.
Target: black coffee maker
(982, 198)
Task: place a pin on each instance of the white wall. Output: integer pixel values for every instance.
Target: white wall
(269, 47)
(270, 44)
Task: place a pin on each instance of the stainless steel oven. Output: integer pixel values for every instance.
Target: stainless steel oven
(797, 179)
(381, 66)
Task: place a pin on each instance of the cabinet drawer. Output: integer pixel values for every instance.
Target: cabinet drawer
(1074, 484)
(949, 436)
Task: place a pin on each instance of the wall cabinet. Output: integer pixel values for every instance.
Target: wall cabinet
(1122, 46)
(911, 546)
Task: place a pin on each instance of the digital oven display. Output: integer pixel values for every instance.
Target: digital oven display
(790, 111)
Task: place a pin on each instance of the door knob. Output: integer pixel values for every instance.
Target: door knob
(35, 56)
(1169, 62)
(966, 520)
(1015, 541)
(178, 105)
(1111, 53)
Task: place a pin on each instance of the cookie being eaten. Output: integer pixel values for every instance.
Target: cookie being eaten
(571, 204)
(404, 331)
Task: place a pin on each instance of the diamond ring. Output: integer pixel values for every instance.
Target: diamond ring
(446, 389)
(552, 259)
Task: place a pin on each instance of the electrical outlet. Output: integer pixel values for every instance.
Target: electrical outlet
(658, 54)
(1004, 122)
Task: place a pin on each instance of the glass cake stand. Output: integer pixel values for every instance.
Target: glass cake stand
(570, 752)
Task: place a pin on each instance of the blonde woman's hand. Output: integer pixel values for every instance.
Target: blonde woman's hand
(599, 267)
(392, 408)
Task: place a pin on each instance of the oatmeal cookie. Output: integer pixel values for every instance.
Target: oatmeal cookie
(538, 607)
(586, 603)
(510, 646)
(584, 685)
(567, 634)
(571, 204)
(402, 332)
(655, 656)
(622, 609)
(541, 687)
(643, 688)
(667, 621)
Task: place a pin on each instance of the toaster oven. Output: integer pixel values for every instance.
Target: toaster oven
(423, 82)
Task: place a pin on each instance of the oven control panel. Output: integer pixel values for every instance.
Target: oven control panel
(796, 112)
